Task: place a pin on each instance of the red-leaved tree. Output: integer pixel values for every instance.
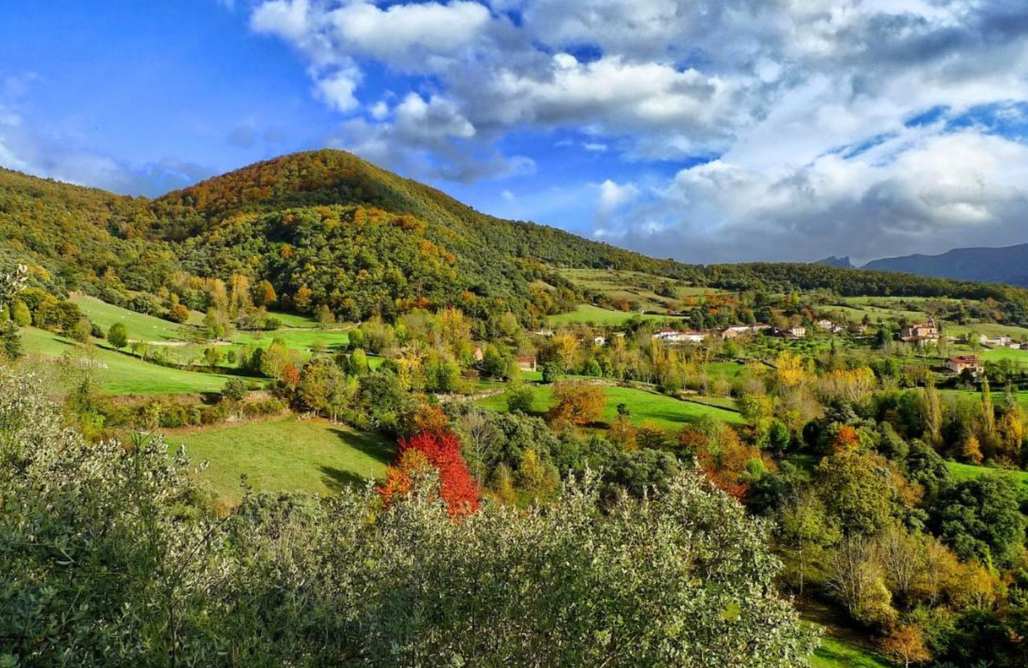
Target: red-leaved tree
(441, 451)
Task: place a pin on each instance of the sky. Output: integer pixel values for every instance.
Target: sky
(704, 130)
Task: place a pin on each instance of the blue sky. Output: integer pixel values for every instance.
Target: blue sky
(707, 131)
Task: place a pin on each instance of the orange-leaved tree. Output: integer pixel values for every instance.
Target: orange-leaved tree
(441, 451)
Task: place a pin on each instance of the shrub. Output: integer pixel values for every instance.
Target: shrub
(117, 335)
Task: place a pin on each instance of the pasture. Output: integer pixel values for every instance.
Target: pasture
(645, 407)
(117, 372)
(587, 314)
(962, 472)
(286, 454)
(140, 327)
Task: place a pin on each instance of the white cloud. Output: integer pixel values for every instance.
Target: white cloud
(804, 101)
(337, 88)
(613, 196)
(407, 33)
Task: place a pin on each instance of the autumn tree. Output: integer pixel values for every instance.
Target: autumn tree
(577, 402)
(264, 294)
(905, 644)
(565, 350)
(441, 450)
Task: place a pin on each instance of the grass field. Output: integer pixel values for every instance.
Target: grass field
(294, 319)
(287, 455)
(121, 373)
(139, 326)
(997, 354)
(594, 315)
(970, 472)
(297, 339)
(989, 329)
(836, 654)
(646, 407)
(632, 286)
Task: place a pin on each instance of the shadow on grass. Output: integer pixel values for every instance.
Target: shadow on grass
(336, 479)
(377, 447)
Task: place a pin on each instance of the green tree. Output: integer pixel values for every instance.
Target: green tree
(981, 519)
(20, 313)
(117, 335)
(519, 397)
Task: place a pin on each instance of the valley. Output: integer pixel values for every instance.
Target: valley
(306, 328)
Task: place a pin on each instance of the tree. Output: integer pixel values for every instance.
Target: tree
(10, 342)
(576, 402)
(302, 299)
(264, 294)
(805, 524)
(178, 313)
(234, 389)
(905, 644)
(156, 578)
(441, 450)
(856, 490)
(565, 350)
(988, 411)
(213, 357)
(20, 313)
(82, 330)
(275, 358)
(981, 519)
(519, 397)
(117, 335)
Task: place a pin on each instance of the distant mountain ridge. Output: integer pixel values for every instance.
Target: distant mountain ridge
(991, 265)
(833, 261)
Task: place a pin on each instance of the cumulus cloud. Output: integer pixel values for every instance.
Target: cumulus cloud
(941, 191)
(803, 108)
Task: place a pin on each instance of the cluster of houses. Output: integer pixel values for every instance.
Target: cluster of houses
(674, 336)
(1001, 342)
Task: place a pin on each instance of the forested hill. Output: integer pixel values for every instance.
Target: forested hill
(330, 230)
(332, 177)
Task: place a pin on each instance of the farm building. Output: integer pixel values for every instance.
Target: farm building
(527, 362)
(964, 363)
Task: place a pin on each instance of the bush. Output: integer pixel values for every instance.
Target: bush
(519, 398)
(117, 335)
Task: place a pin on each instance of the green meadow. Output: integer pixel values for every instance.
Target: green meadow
(140, 327)
(645, 407)
(119, 372)
(286, 454)
(587, 314)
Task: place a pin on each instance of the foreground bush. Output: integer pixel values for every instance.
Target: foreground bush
(110, 557)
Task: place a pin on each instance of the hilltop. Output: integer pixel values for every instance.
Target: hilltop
(329, 230)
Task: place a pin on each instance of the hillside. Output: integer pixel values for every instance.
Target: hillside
(331, 231)
(994, 265)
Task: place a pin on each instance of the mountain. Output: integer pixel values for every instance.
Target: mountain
(326, 225)
(993, 265)
(832, 261)
(329, 230)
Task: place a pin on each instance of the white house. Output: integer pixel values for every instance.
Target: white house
(674, 336)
